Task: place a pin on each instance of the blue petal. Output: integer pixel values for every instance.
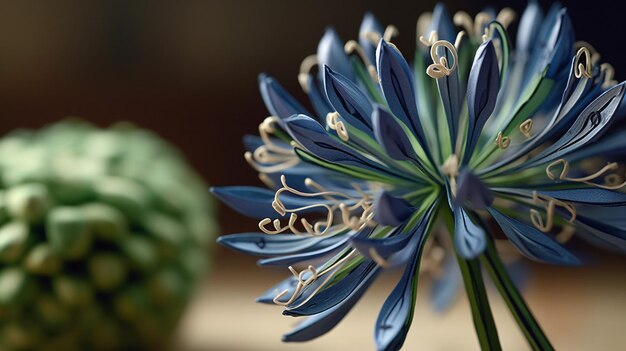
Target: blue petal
(261, 244)
(277, 99)
(288, 284)
(384, 247)
(450, 92)
(589, 125)
(529, 25)
(469, 239)
(305, 256)
(396, 83)
(252, 142)
(391, 210)
(589, 196)
(531, 242)
(482, 93)
(391, 136)
(336, 293)
(330, 53)
(445, 288)
(471, 189)
(321, 323)
(398, 246)
(601, 234)
(318, 98)
(395, 316)
(348, 99)
(442, 23)
(369, 24)
(256, 202)
(314, 138)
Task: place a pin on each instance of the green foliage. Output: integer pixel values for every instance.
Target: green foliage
(104, 233)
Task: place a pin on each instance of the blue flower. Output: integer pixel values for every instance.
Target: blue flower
(477, 134)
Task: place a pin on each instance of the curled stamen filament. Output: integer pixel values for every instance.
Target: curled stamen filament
(506, 16)
(566, 233)
(391, 31)
(612, 180)
(473, 27)
(439, 68)
(432, 39)
(459, 38)
(595, 55)
(302, 283)
(526, 127)
(354, 47)
(549, 204)
(321, 227)
(503, 141)
(609, 73)
(580, 69)
(374, 37)
(333, 122)
(305, 70)
(280, 157)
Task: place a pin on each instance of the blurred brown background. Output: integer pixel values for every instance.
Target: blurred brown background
(188, 70)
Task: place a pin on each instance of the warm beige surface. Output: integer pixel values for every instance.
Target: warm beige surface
(580, 309)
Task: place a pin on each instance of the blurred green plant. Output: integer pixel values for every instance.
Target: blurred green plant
(104, 233)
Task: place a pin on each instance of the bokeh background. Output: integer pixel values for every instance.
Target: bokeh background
(187, 70)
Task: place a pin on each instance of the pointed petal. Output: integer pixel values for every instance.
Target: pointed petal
(391, 136)
(277, 100)
(288, 284)
(395, 316)
(531, 242)
(321, 323)
(469, 239)
(529, 27)
(445, 288)
(308, 255)
(589, 125)
(471, 189)
(335, 294)
(442, 23)
(318, 97)
(396, 82)
(482, 92)
(314, 138)
(261, 244)
(348, 99)
(330, 53)
(369, 25)
(256, 202)
(391, 210)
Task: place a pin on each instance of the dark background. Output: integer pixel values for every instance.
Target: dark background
(188, 69)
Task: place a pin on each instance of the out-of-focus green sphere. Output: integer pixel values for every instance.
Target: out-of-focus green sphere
(104, 234)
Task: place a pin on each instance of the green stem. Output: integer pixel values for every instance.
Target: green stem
(514, 300)
(477, 295)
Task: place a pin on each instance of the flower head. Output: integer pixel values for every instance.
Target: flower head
(477, 130)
